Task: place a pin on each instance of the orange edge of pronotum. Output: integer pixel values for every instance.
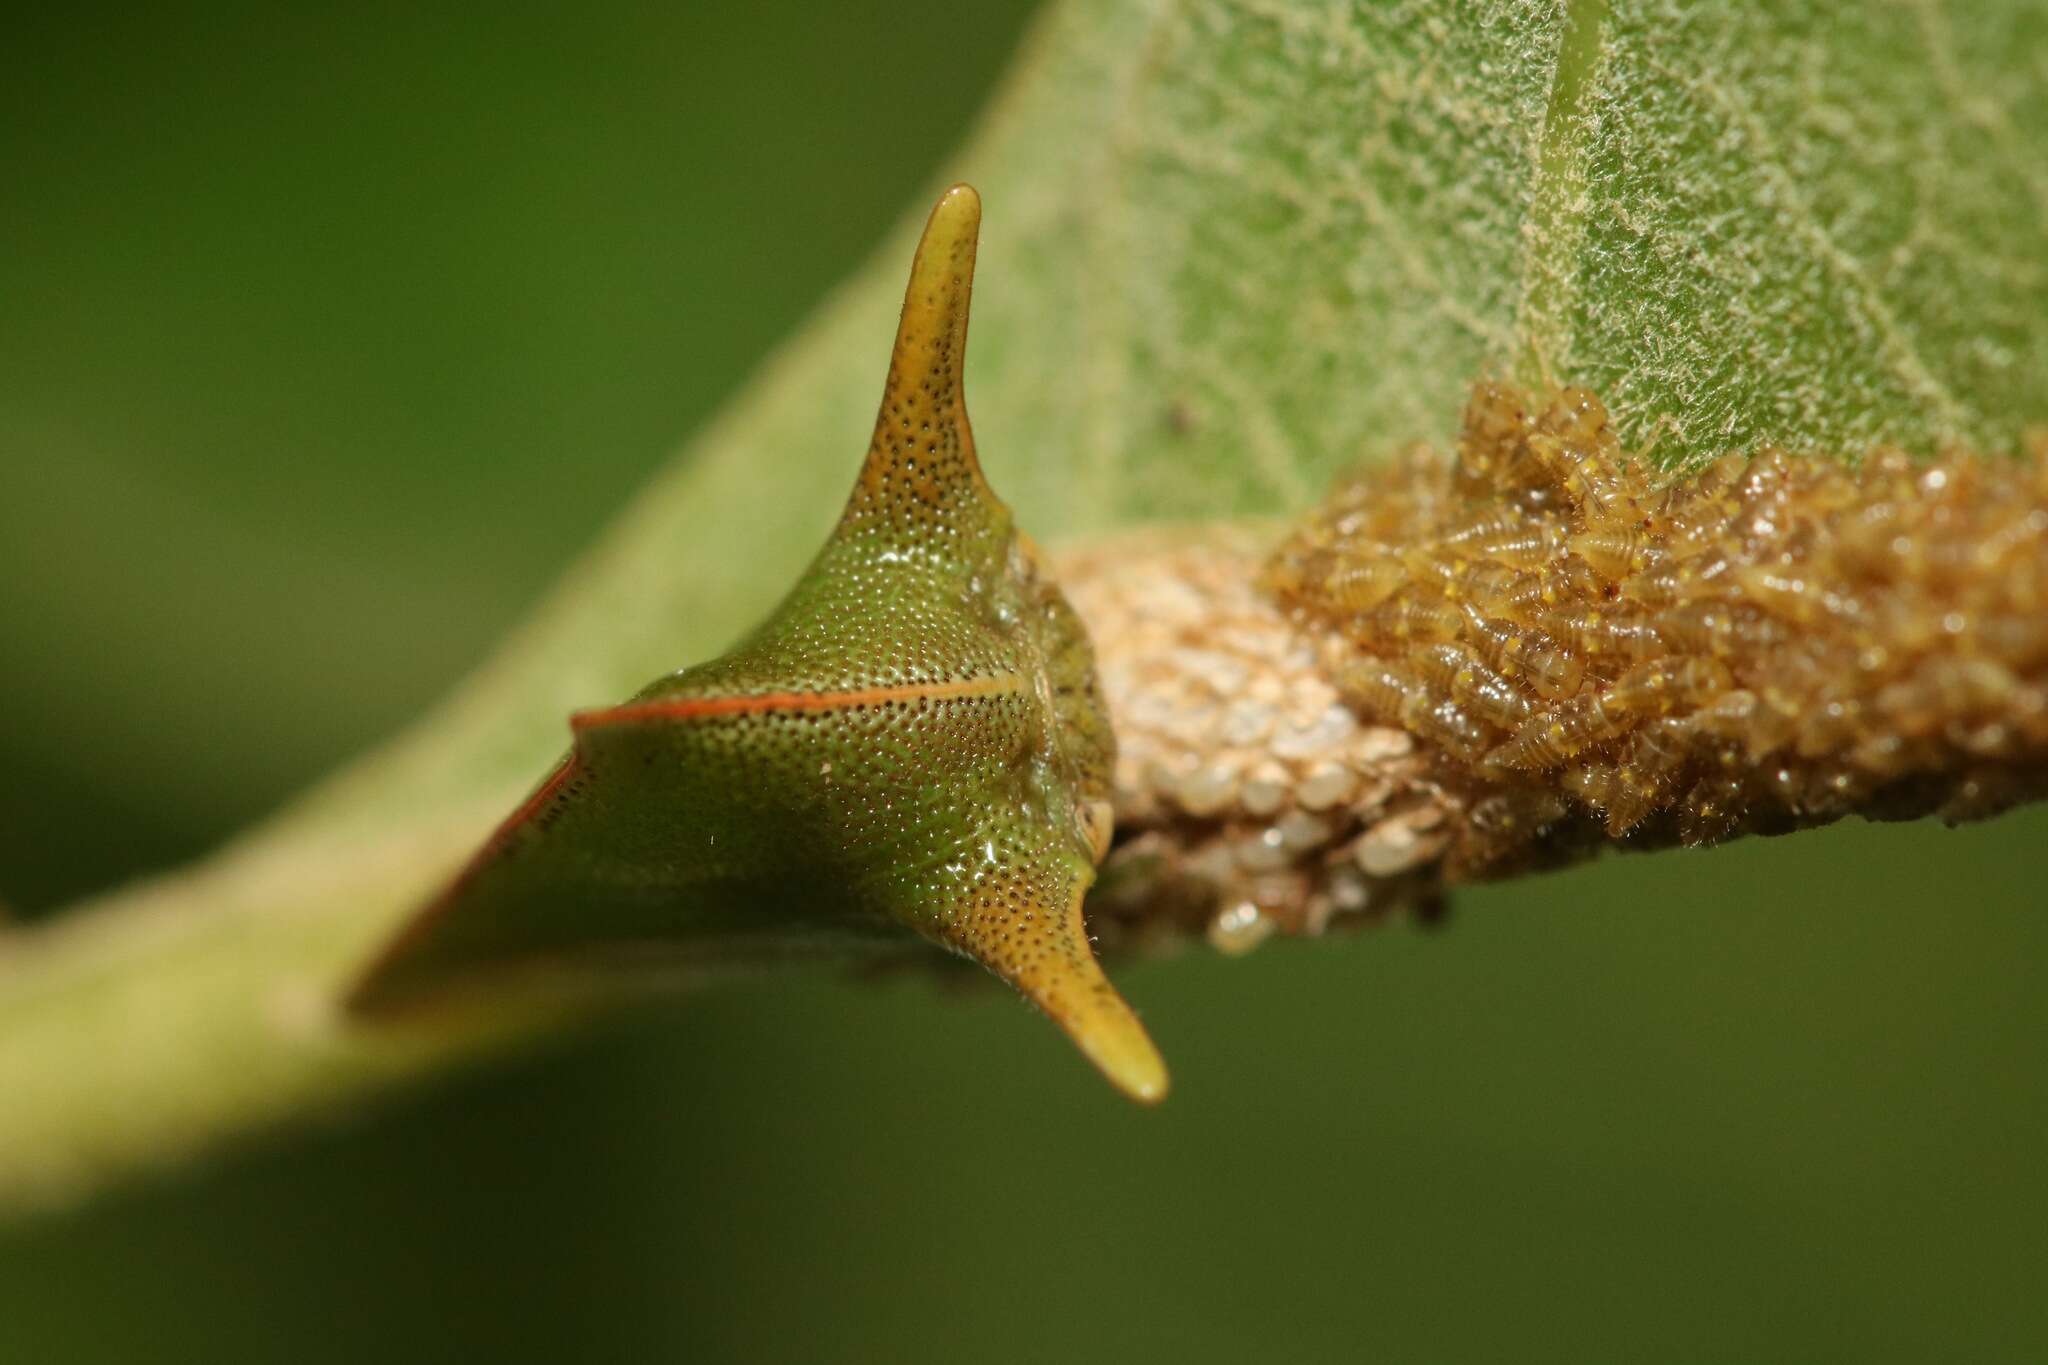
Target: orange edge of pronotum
(691, 708)
(361, 995)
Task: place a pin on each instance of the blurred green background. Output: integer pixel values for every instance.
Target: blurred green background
(327, 338)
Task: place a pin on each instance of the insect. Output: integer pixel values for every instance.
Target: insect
(1766, 643)
(913, 741)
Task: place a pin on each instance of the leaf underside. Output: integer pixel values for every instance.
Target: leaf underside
(1236, 249)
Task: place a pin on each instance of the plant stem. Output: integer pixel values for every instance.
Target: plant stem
(140, 1031)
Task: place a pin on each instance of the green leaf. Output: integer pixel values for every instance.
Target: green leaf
(1230, 250)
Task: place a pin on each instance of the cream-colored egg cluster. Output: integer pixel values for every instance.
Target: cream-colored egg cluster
(1250, 797)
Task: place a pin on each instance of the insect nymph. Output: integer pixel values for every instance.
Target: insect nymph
(913, 739)
(1765, 643)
